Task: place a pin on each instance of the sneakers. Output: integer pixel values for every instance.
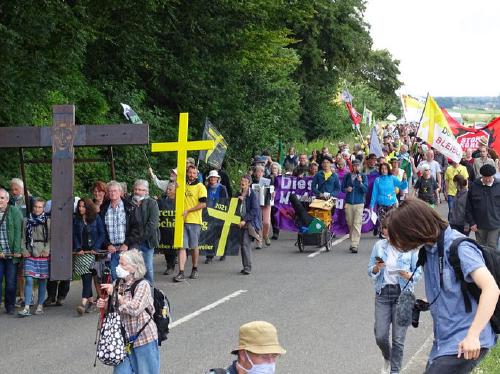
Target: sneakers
(194, 274)
(353, 249)
(60, 302)
(39, 310)
(245, 272)
(267, 241)
(24, 313)
(49, 302)
(222, 258)
(89, 307)
(275, 237)
(179, 277)
(209, 260)
(80, 309)
(168, 271)
(19, 302)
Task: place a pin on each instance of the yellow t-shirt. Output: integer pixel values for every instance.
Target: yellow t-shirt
(450, 174)
(194, 192)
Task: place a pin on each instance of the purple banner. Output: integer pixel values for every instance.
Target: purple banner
(285, 214)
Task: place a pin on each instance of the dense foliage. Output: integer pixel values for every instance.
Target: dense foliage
(261, 70)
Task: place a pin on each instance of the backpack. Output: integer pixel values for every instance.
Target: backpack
(161, 316)
(492, 262)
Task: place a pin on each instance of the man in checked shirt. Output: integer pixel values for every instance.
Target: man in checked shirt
(122, 223)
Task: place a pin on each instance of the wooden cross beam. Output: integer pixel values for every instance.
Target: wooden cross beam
(63, 136)
(181, 146)
(229, 218)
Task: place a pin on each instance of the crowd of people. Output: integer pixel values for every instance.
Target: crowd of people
(115, 233)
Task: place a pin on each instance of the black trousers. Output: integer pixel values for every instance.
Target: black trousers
(57, 290)
(170, 259)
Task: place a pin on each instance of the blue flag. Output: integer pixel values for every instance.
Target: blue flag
(374, 143)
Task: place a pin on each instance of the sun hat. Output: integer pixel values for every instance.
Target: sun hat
(191, 160)
(259, 337)
(213, 173)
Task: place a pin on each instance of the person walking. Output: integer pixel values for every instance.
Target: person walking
(215, 191)
(135, 306)
(355, 186)
(390, 272)
(167, 204)
(457, 213)
(88, 237)
(36, 252)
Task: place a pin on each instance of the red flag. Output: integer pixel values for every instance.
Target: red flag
(355, 116)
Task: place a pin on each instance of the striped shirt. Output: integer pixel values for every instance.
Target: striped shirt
(116, 224)
(4, 240)
(133, 311)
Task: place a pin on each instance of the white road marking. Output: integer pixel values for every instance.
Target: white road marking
(206, 308)
(323, 249)
(415, 358)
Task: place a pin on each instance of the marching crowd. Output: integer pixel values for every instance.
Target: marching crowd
(108, 226)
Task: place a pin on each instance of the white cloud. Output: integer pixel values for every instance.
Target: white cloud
(446, 47)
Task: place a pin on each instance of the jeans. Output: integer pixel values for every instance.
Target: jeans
(246, 250)
(86, 285)
(451, 202)
(453, 364)
(385, 316)
(147, 254)
(28, 290)
(142, 360)
(113, 263)
(8, 269)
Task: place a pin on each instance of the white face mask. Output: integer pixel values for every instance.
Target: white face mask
(268, 368)
(139, 198)
(121, 272)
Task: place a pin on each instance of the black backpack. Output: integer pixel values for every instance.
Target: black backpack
(492, 262)
(161, 316)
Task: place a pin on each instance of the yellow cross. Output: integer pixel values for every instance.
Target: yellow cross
(181, 146)
(229, 218)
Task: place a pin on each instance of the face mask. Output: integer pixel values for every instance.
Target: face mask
(139, 198)
(268, 368)
(121, 272)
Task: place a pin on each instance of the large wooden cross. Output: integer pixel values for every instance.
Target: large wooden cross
(181, 146)
(63, 136)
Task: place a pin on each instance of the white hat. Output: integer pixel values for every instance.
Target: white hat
(174, 171)
(213, 173)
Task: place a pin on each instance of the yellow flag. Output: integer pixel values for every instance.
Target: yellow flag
(434, 130)
(412, 108)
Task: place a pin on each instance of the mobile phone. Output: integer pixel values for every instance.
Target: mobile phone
(379, 259)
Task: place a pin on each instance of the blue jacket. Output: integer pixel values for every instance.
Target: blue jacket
(96, 233)
(406, 261)
(252, 210)
(357, 196)
(384, 190)
(319, 185)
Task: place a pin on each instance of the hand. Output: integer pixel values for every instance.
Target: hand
(360, 179)
(121, 299)
(26, 254)
(473, 228)
(186, 212)
(101, 303)
(470, 347)
(404, 176)
(93, 252)
(378, 266)
(405, 274)
(2, 255)
(17, 255)
(45, 254)
(108, 287)
(150, 170)
(123, 248)
(80, 252)
(349, 189)
(241, 198)
(111, 248)
(242, 224)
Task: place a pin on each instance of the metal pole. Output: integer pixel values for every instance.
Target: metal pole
(112, 163)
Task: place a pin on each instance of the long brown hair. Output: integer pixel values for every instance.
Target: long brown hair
(413, 224)
(90, 210)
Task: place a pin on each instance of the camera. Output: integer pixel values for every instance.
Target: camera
(419, 306)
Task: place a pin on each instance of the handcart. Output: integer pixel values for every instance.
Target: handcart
(317, 232)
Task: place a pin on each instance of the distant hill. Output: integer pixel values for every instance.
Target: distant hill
(469, 102)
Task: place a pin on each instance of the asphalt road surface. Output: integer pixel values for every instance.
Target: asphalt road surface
(321, 303)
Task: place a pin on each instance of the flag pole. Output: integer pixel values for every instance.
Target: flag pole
(422, 115)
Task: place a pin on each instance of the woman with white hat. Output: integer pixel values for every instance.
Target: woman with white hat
(215, 191)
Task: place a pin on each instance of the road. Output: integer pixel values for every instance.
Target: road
(322, 306)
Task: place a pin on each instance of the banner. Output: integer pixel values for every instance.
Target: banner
(375, 143)
(412, 108)
(301, 186)
(435, 131)
(216, 156)
(355, 116)
(218, 229)
(367, 117)
(469, 137)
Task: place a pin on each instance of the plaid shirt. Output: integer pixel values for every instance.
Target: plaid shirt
(4, 240)
(116, 223)
(133, 311)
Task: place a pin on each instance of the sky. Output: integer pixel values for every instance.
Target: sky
(445, 47)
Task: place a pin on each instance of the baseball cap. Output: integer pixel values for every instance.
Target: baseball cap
(259, 337)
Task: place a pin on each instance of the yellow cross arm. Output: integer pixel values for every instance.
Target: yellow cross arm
(223, 216)
(187, 146)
